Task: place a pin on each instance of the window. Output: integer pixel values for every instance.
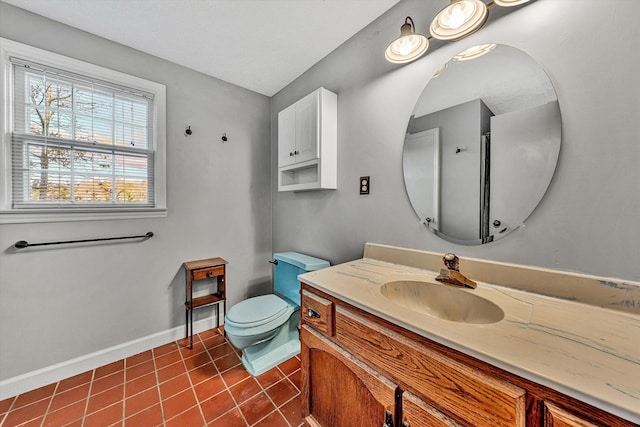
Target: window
(82, 141)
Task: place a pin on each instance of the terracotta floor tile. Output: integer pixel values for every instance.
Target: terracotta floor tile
(256, 408)
(197, 360)
(164, 349)
(26, 413)
(232, 418)
(245, 390)
(189, 418)
(140, 370)
(140, 384)
(219, 351)
(235, 375)
(104, 399)
(174, 386)
(209, 388)
(34, 396)
(289, 366)
(141, 401)
(168, 359)
(65, 415)
(60, 400)
(282, 392)
(227, 362)
(33, 423)
(270, 377)
(150, 417)
(292, 411)
(198, 347)
(105, 417)
(213, 341)
(217, 405)
(273, 420)
(107, 382)
(6, 404)
(203, 373)
(145, 356)
(109, 369)
(171, 371)
(210, 333)
(178, 404)
(296, 379)
(74, 381)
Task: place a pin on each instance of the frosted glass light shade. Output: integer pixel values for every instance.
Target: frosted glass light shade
(507, 3)
(460, 19)
(474, 52)
(409, 46)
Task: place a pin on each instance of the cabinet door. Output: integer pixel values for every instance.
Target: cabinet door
(307, 120)
(555, 416)
(286, 136)
(337, 389)
(417, 413)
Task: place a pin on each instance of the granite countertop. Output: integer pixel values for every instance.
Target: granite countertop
(584, 351)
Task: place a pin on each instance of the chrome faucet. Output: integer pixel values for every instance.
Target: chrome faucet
(451, 275)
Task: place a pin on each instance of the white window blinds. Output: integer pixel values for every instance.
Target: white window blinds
(78, 141)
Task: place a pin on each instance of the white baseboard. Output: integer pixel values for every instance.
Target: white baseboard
(54, 373)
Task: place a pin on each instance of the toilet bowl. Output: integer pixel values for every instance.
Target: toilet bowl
(265, 327)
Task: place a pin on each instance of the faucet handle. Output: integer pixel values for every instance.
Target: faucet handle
(451, 261)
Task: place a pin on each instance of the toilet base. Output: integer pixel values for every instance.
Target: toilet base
(258, 359)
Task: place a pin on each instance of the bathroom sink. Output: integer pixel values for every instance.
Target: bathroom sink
(442, 301)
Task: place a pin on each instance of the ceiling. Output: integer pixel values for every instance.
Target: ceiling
(261, 45)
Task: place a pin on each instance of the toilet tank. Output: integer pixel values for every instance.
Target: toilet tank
(290, 265)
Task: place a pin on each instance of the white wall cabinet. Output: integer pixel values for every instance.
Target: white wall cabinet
(307, 143)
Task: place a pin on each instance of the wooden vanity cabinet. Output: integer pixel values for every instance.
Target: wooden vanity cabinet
(358, 369)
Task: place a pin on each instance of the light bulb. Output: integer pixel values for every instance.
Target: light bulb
(456, 16)
(405, 46)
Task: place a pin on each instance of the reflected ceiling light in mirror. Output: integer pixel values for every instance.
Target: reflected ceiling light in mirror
(507, 3)
(440, 70)
(474, 52)
(460, 19)
(408, 46)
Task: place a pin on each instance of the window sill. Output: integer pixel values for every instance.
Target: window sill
(24, 216)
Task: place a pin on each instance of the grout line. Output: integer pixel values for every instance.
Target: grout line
(46, 412)
(155, 373)
(86, 405)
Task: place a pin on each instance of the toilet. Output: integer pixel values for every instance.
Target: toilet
(265, 327)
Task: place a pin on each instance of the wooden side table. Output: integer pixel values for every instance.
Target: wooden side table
(198, 270)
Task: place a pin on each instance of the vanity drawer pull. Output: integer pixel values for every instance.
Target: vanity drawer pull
(312, 313)
(317, 312)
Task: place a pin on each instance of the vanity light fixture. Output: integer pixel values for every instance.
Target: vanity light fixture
(456, 21)
(460, 19)
(408, 46)
(507, 3)
(474, 52)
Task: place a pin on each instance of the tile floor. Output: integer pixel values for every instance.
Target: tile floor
(168, 386)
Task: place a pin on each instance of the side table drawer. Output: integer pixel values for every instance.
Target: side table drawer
(317, 312)
(204, 273)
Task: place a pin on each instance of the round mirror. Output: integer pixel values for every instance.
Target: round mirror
(482, 144)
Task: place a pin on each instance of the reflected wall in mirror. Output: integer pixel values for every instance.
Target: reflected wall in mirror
(482, 145)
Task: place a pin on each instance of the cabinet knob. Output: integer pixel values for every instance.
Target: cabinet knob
(296, 152)
(312, 313)
(291, 154)
(209, 273)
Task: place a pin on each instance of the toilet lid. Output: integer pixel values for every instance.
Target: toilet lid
(256, 311)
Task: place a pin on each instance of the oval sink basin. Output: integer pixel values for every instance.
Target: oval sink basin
(442, 301)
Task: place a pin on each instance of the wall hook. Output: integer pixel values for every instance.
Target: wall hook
(224, 137)
(188, 131)
(460, 149)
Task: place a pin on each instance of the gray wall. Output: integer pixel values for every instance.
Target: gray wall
(587, 222)
(61, 303)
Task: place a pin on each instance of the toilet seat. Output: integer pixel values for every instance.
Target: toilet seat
(257, 315)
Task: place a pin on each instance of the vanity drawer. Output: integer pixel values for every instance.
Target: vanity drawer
(472, 396)
(317, 312)
(204, 273)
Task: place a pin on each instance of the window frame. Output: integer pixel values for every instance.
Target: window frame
(10, 214)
